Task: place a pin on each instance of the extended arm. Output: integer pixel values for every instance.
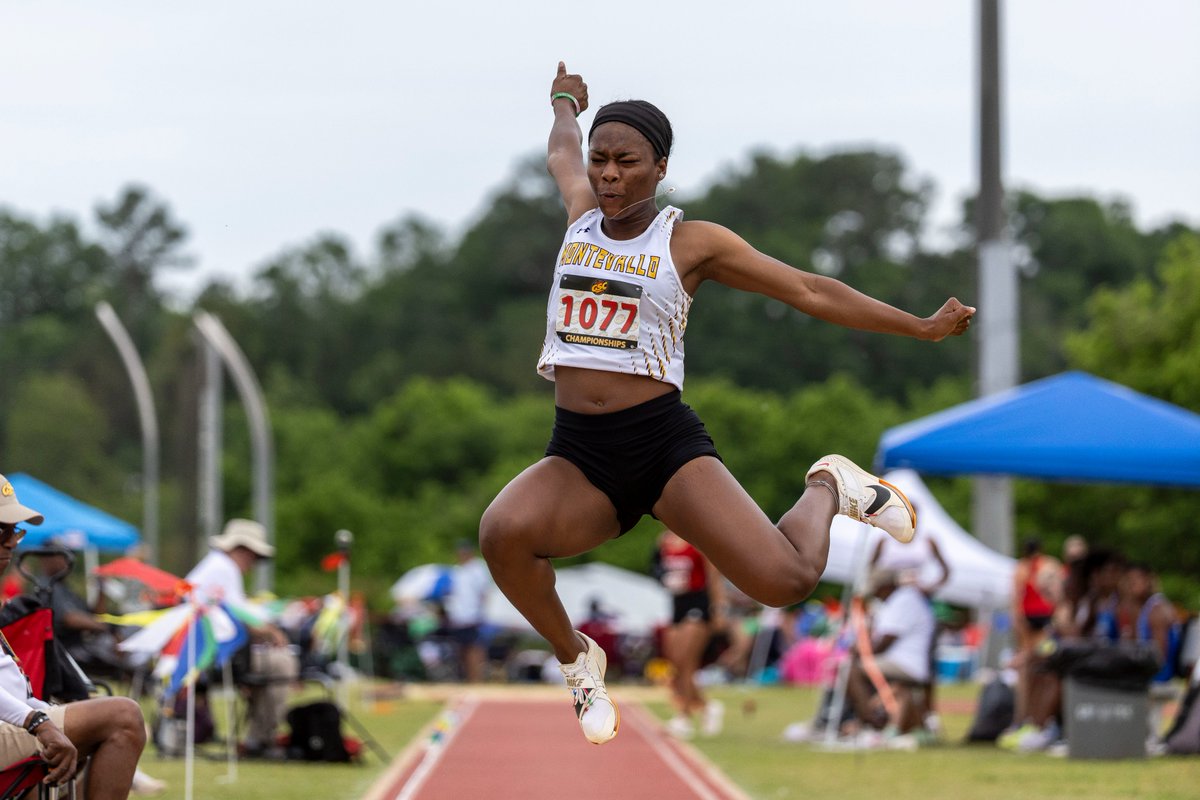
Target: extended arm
(933, 588)
(705, 251)
(564, 160)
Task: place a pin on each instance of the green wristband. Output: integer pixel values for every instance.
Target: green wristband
(568, 96)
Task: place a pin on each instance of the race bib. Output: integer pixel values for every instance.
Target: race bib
(599, 312)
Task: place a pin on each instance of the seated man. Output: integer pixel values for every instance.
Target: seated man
(218, 577)
(90, 642)
(902, 639)
(109, 730)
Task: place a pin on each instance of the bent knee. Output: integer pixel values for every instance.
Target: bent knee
(129, 717)
(791, 586)
(123, 717)
(500, 531)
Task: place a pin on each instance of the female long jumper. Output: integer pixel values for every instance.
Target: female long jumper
(624, 444)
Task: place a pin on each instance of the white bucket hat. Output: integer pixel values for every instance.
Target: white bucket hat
(11, 511)
(244, 533)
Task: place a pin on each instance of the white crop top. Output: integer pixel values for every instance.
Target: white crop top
(617, 306)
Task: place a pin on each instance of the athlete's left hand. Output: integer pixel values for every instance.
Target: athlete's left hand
(952, 319)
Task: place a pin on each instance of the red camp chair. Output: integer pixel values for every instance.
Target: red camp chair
(31, 637)
(20, 778)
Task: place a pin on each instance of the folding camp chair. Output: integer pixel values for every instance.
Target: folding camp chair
(17, 780)
(27, 624)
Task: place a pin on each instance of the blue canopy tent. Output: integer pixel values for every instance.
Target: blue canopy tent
(1069, 427)
(80, 525)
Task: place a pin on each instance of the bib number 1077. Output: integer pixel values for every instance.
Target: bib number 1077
(598, 312)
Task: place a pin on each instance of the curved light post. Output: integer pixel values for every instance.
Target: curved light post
(146, 417)
(262, 453)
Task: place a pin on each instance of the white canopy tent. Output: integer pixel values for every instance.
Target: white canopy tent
(979, 576)
(638, 603)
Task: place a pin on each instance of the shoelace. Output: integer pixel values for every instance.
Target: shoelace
(583, 699)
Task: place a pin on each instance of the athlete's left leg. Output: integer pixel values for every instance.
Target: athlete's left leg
(777, 565)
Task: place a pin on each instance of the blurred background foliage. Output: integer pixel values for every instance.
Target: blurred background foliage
(401, 385)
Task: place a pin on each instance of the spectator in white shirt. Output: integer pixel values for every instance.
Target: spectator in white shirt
(902, 633)
(469, 584)
(219, 577)
(110, 731)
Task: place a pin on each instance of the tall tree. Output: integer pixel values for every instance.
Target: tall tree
(143, 238)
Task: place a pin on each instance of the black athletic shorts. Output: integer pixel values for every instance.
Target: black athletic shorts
(691, 606)
(631, 454)
(1039, 622)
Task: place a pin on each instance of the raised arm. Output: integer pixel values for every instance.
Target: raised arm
(564, 160)
(705, 251)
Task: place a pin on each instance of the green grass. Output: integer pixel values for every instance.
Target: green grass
(392, 723)
(753, 754)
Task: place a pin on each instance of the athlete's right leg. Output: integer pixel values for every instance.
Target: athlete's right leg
(548, 511)
(552, 511)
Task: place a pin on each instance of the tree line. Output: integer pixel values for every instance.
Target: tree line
(401, 385)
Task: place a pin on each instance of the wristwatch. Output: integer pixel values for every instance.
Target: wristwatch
(37, 719)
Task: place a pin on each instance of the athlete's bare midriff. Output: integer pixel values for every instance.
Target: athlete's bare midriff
(590, 391)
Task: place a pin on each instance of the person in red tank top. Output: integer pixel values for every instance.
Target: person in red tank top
(697, 599)
(1037, 589)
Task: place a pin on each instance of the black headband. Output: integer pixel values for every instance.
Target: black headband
(643, 117)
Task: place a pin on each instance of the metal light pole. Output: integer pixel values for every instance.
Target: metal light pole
(992, 500)
(992, 508)
(263, 456)
(344, 539)
(146, 417)
(208, 455)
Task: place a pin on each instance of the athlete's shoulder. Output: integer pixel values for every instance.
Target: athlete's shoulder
(701, 240)
(702, 229)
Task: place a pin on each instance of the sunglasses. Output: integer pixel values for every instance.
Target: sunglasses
(11, 534)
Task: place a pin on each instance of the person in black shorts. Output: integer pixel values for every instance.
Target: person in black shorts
(624, 444)
(698, 602)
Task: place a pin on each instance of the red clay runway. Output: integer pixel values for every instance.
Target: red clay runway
(504, 749)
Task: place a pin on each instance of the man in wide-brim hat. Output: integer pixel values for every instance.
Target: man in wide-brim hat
(219, 577)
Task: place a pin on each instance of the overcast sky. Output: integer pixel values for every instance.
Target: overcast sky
(265, 123)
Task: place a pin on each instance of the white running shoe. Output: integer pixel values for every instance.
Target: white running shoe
(598, 714)
(681, 728)
(714, 718)
(146, 785)
(868, 499)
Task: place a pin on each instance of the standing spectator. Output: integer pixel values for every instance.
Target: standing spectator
(219, 576)
(469, 583)
(1037, 589)
(698, 602)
